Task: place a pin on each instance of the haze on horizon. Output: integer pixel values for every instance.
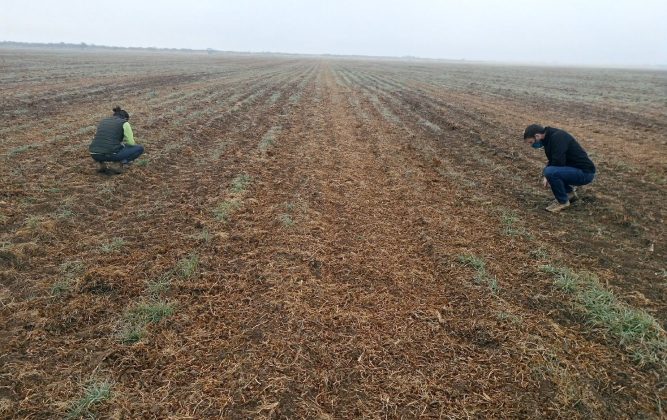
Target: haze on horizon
(595, 32)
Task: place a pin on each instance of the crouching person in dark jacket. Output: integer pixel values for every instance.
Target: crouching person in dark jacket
(114, 141)
(569, 165)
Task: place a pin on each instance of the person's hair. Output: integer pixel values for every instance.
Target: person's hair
(533, 129)
(117, 112)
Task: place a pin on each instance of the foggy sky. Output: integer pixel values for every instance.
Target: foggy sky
(593, 32)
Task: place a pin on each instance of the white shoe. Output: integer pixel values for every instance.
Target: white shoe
(572, 196)
(555, 206)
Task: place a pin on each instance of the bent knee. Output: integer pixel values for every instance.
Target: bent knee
(550, 171)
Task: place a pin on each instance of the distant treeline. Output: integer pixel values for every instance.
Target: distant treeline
(83, 45)
(92, 47)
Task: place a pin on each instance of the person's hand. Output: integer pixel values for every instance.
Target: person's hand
(545, 183)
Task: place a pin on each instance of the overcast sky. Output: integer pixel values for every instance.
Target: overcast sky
(612, 32)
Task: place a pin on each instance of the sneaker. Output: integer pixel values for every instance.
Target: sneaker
(110, 168)
(102, 167)
(572, 196)
(118, 167)
(555, 206)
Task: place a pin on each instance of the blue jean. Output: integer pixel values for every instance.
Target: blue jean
(126, 154)
(562, 178)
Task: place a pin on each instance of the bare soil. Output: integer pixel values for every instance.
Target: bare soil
(333, 286)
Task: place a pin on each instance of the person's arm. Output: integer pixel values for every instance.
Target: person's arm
(559, 145)
(128, 137)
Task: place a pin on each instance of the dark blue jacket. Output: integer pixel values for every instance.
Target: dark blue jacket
(562, 149)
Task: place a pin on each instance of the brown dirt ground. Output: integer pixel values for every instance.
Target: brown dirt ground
(333, 288)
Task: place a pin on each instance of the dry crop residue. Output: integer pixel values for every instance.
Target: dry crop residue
(321, 238)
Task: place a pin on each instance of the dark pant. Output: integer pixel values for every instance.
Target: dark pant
(124, 155)
(562, 178)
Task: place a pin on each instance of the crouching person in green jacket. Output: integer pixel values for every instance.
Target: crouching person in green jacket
(114, 141)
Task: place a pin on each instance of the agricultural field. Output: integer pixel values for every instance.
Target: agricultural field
(328, 238)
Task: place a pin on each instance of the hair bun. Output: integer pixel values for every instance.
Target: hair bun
(116, 109)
